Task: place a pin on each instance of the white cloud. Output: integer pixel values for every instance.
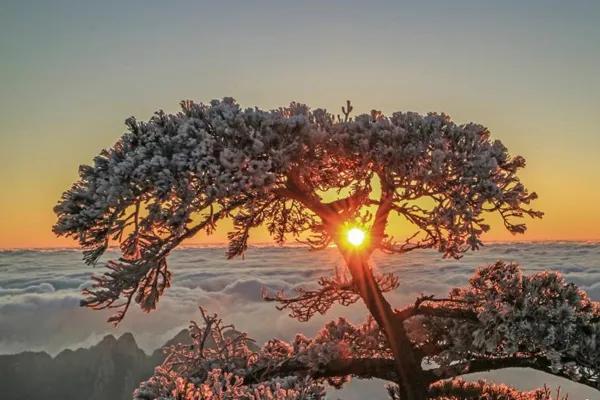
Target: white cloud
(40, 291)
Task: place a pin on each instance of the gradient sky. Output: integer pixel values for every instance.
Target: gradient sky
(71, 72)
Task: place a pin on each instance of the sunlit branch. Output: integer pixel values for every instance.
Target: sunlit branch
(383, 210)
(430, 306)
(484, 364)
(363, 368)
(338, 289)
(391, 246)
(273, 168)
(461, 389)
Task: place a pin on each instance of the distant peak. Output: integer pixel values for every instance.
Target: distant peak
(182, 337)
(107, 340)
(127, 338)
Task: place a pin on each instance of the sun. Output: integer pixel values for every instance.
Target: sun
(356, 236)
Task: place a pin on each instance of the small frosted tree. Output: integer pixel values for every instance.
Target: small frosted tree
(178, 175)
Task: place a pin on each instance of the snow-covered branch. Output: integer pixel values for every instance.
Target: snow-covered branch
(553, 329)
(214, 161)
(221, 363)
(504, 318)
(177, 175)
(337, 289)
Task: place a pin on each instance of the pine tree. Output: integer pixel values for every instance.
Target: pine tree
(175, 176)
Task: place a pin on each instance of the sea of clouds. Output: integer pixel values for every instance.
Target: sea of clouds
(40, 294)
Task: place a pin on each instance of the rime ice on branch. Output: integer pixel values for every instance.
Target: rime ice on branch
(502, 319)
(175, 176)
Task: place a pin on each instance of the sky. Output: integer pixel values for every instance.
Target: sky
(72, 71)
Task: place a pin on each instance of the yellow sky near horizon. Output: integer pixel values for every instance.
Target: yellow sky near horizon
(71, 74)
(564, 219)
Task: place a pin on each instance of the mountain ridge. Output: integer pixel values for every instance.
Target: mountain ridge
(109, 370)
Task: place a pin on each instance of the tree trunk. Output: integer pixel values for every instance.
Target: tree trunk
(408, 367)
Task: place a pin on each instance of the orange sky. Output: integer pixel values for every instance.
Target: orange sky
(564, 201)
(71, 75)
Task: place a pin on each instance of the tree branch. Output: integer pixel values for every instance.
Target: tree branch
(338, 288)
(386, 203)
(491, 364)
(364, 368)
(427, 305)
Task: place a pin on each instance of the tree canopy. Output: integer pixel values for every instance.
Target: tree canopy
(177, 175)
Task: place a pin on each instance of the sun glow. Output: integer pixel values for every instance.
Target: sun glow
(356, 236)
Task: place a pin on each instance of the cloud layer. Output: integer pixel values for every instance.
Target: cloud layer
(40, 291)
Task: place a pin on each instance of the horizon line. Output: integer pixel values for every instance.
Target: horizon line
(289, 245)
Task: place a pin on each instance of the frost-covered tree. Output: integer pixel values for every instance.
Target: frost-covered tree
(178, 175)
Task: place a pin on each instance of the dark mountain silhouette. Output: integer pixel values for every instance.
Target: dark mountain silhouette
(110, 370)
